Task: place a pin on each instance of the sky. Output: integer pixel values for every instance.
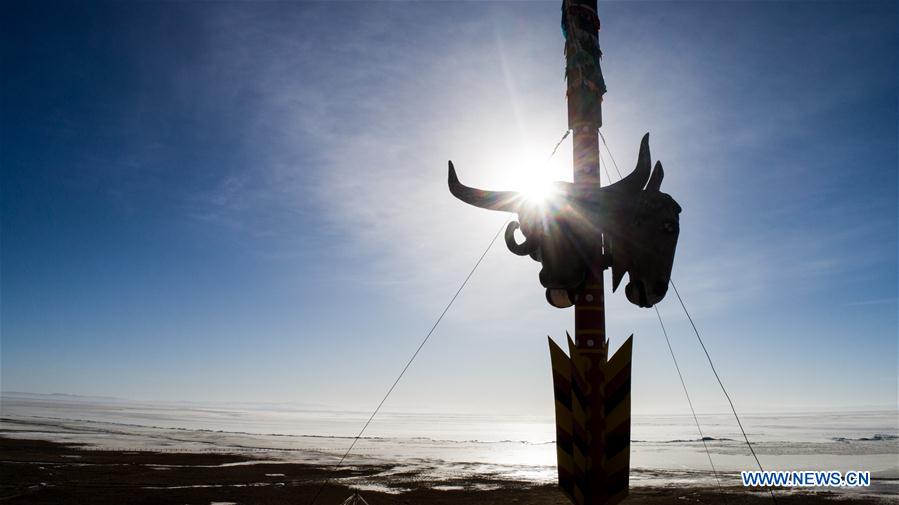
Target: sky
(223, 202)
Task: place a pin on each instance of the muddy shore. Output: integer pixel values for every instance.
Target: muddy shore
(40, 472)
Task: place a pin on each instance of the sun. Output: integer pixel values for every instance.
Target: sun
(528, 172)
(537, 187)
(537, 191)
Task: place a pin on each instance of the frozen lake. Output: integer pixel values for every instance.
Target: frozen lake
(665, 450)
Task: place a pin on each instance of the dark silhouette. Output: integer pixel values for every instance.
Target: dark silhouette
(630, 225)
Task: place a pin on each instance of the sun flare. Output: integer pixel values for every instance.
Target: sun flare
(537, 188)
(527, 171)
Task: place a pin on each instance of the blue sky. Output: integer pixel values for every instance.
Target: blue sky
(247, 201)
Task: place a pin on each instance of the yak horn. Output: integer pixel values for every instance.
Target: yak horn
(655, 182)
(635, 181)
(494, 200)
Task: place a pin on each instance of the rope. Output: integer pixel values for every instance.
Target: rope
(556, 148)
(425, 340)
(610, 154)
(687, 394)
(605, 167)
(708, 357)
(408, 363)
(720, 383)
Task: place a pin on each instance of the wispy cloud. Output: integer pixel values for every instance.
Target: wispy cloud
(319, 135)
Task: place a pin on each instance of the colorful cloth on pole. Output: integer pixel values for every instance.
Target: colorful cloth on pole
(580, 26)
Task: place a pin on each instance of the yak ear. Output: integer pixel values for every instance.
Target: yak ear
(494, 200)
(655, 182)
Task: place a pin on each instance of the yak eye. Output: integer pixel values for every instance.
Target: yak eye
(669, 226)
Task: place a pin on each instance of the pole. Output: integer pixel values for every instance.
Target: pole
(590, 332)
(589, 307)
(580, 22)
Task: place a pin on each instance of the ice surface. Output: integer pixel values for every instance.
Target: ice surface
(666, 450)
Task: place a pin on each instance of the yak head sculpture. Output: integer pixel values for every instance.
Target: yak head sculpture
(630, 225)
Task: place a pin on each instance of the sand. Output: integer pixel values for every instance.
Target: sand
(39, 472)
